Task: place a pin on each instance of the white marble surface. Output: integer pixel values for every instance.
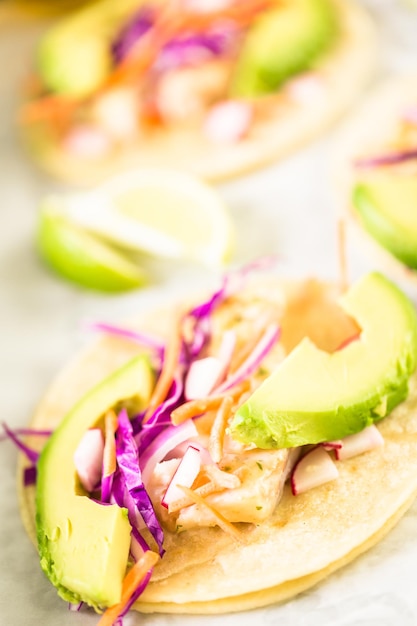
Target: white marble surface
(288, 208)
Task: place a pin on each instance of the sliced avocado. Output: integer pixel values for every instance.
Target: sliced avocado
(74, 55)
(387, 208)
(284, 41)
(316, 396)
(84, 545)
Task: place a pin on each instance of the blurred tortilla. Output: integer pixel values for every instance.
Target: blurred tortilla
(310, 536)
(285, 126)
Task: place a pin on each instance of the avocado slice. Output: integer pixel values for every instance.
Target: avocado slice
(387, 207)
(284, 41)
(315, 396)
(84, 545)
(74, 55)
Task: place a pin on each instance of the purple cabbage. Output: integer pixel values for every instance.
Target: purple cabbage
(188, 48)
(131, 33)
(161, 417)
(31, 454)
(129, 475)
(392, 158)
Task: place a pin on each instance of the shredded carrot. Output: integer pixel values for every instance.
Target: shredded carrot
(184, 501)
(218, 429)
(130, 583)
(109, 455)
(192, 408)
(166, 378)
(221, 521)
(46, 108)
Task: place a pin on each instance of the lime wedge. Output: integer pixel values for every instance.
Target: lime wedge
(81, 257)
(165, 213)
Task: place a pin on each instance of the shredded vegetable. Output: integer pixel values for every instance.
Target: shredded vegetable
(131, 476)
(392, 158)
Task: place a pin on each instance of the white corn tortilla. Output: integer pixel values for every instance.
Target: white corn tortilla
(308, 537)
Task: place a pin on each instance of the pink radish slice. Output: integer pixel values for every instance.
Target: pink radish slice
(368, 439)
(313, 469)
(228, 122)
(88, 458)
(87, 142)
(185, 474)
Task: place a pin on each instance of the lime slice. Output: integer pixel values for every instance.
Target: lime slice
(165, 213)
(81, 257)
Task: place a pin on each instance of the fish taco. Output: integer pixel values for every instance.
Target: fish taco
(229, 453)
(216, 89)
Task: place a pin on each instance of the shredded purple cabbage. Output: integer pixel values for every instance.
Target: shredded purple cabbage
(131, 33)
(192, 49)
(144, 339)
(31, 454)
(393, 158)
(161, 418)
(129, 473)
(30, 475)
(188, 48)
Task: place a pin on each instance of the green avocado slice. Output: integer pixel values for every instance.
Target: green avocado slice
(387, 208)
(84, 545)
(316, 396)
(74, 55)
(283, 42)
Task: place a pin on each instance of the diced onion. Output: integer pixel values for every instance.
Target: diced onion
(88, 458)
(313, 469)
(166, 441)
(228, 122)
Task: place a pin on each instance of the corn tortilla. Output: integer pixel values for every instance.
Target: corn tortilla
(285, 126)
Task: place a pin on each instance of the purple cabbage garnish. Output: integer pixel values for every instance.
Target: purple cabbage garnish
(129, 473)
(184, 49)
(31, 454)
(392, 158)
(131, 33)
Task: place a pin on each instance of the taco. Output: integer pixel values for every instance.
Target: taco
(203, 462)
(216, 90)
(376, 174)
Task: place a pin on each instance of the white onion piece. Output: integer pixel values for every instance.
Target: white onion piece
(367, 439)
(207, 6)
(228, 122)
(116, 113)
(87, 142)
(307, 88)
(88, 458)
(185, 474)
(313, 469)
(166, 441)
(203, 375)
